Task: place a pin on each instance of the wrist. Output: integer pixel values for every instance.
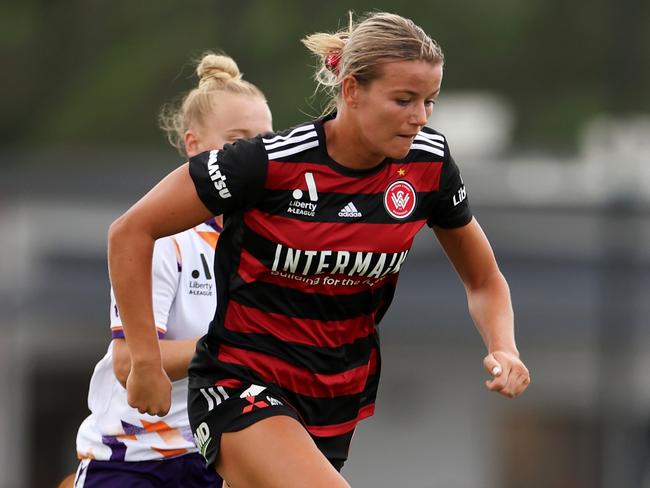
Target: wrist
(144, 351)
(148, 361)
(511, 349)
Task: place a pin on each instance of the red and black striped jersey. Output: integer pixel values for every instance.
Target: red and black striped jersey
(308, 261)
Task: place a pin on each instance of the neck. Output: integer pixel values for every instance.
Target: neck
(347, 146)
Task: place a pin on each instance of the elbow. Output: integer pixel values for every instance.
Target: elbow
(124, 234)
(117, 230)
(493, 280)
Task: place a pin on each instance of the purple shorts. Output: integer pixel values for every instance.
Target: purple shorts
(188, 471)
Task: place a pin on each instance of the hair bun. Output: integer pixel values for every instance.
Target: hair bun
(217, 67)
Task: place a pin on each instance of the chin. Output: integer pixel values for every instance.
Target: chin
(398, 153)
(399, 148)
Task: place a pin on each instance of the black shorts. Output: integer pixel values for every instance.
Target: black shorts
(218, 409)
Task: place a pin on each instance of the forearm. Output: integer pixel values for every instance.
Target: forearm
(170, 207)
(490, 307)
(488, 298)
(176, 357)
(129, 261)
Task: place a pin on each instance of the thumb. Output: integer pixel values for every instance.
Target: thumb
(492, 366)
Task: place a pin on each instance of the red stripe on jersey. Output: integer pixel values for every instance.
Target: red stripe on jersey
(424, 176)
(334, 236)
(332, 333)
(229, 383)
(251, 269)
(342, 428)
(300, 380)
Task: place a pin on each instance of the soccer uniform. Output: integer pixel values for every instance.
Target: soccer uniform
(306, 267)
(116, 439)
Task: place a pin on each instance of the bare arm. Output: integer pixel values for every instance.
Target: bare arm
(490, 307)
(170, 207)
(176, 357)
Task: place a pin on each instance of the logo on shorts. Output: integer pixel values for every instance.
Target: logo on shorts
(250, 395)
(254, 403)
(202, 439)
(214, 398)
(252, 391)
(400, 199)
(273, 401)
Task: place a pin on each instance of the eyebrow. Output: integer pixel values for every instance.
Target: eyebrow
(414, 94)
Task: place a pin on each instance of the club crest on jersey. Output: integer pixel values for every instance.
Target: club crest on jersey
(400, 199)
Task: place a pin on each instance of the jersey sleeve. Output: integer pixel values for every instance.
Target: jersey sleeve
(452, 209)
(165, 268)
(232, 178)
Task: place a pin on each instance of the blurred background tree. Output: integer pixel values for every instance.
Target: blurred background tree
(94, 72)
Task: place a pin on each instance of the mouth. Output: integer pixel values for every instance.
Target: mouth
(410, 137)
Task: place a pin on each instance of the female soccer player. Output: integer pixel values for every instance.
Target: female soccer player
(318, 222)
(118, 445)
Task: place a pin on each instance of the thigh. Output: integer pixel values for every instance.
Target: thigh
(215, 410)
(335, 448)
(276, 452)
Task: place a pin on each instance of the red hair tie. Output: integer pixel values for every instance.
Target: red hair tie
(332, 61)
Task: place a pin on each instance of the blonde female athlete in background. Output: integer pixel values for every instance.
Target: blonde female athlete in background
(318, 222)
(117, 445)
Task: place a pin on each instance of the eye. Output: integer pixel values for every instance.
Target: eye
(430, 103)
(403, 101)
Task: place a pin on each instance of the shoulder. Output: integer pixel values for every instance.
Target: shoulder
(241, 149)
(290, 142)
(236, 166)
(429, 142)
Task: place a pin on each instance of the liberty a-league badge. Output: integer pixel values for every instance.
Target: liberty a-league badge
(400, 199)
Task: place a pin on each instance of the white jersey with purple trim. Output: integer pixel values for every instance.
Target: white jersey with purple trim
(184, 301)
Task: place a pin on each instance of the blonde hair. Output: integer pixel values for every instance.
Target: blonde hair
(217, 74)
(361, 49)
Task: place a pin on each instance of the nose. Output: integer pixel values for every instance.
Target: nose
(419, 115)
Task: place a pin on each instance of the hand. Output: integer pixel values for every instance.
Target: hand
(510, 376)
(149, 390)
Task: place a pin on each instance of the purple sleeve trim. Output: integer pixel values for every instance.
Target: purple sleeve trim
(119, 333)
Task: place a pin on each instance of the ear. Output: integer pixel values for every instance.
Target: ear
(350, 91)
(191, 142)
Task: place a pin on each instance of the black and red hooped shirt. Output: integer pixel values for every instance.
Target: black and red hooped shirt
(308, 261)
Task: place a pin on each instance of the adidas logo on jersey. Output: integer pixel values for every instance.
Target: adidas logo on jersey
(349, 211)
